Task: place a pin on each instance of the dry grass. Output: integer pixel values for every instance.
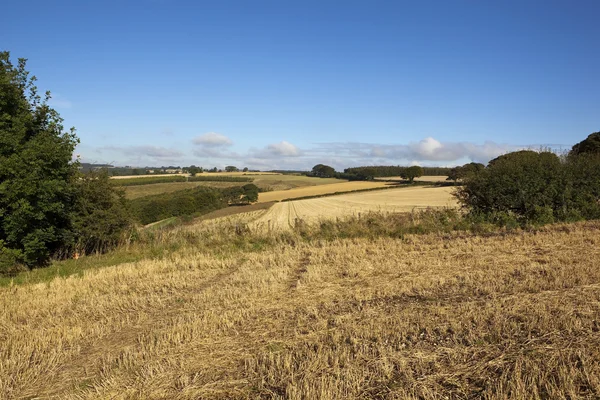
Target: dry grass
(328, 188)
(427, 317)
(284, 182)
(285, 215)
(134, 192)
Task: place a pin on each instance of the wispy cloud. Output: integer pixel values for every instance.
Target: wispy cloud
(213, 139)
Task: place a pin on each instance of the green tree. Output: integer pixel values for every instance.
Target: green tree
(36, 169)
(411, 173)
(231, 168)
(526, 184)
(250, 193)
(323, 171)
(101, 214)
(193, 170)
(591, 144)
(245, 169)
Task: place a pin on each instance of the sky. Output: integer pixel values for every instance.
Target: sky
(289, 84)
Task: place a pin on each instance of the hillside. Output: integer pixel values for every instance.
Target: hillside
(508, 315)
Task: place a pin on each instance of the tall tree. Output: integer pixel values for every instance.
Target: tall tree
(36, 169)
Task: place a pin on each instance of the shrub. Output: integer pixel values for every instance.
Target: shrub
(199, 200)
(102, 216)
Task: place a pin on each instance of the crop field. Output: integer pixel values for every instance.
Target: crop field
(266, 181)
(284, 215)
(329, 188)
(134, 192)
(278, 182)
(457, 316)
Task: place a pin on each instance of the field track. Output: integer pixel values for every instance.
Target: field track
(284, 215)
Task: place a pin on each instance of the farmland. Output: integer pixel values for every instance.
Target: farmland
(431, 316)
(328, 188)
(134, 192)
(272, 182)
(284, 215)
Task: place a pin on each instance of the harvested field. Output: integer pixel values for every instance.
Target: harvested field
(285, 182)
(507, 316)
(342, 186)
(284, 215)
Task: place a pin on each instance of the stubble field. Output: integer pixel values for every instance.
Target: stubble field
(285, 215)
(509, 315)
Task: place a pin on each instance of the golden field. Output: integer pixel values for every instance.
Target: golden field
(323, 189)
(505, 316)
(285, 215)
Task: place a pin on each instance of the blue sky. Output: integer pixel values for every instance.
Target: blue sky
(288, 84)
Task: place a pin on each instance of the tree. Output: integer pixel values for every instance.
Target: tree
(37, 173)
(245, 169)
(193, 170)
(591, 144)
(411, 173)
(101, 213)
(231, 168)
(465, 171)
(250, 193)
(323, 171)
(526, 184)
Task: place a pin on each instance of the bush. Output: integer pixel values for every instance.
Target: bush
(102, 215)
(534, 188)
(11, 261)
(520, 183)
(199, 200)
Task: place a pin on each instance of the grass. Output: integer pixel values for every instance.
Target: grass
(134, 192)
(512, 315)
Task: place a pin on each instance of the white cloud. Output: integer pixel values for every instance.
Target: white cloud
(213, 139)
(283, 149)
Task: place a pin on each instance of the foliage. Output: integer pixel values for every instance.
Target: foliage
(193, 170)
(199, 200)
(534, 187)
(323, 171)
(411, 173)
(367, 173)
(148, 180)
(36, 171)
(102, 216)
(591, 144)
(231, 168)
(465, 171)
